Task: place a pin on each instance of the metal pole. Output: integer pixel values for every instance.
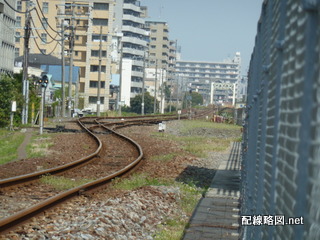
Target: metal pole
(120, 80)
(63, 112)
(25, 84)
(143, 82)
(155, 89)
(161, 88)
(43, 89)
(99, 75)
(71, 44)
(178, 86)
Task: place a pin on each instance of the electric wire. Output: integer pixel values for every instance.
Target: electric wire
(53, 39)
(49, 54)
(44, 26)
(46, 19)
(16, 9)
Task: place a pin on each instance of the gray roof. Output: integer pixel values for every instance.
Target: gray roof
(36, 60)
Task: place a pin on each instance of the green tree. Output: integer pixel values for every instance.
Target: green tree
(10, 90)
(197, 99)
(137, 100)
(194, 97)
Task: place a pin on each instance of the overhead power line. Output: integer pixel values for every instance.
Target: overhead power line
(46, 18)
(40, 50)
(44, 27)
(16, 9)
(53, 39)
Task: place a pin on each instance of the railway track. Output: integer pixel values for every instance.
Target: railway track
(100, 130)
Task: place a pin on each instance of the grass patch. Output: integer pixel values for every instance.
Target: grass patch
(62, 183)
(196, 145)
(136, 181)
(9, 143)
(164, 157)
(189, 125)
(189, 197)
(174, 228)
(39, 145)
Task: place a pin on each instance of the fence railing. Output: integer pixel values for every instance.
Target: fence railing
(281, 141)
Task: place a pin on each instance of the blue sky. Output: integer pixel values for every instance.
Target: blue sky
(210, 30)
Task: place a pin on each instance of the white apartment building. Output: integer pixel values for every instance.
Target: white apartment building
(198, 76)
(129, 23)
(7, 40)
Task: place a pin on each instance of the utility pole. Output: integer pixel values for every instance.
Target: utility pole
(99, 75)
(161, 88)
(69, 14)
(71, 46)
(143, 82)
(155, 89)
(25, 82)
(63, 110)
(120, 80)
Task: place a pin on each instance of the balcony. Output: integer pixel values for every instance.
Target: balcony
(133, 18)
(134, 41)
(137, 63)
(134, 30)
(137, 74)
(136, 84)
(132, 7)
(133, 51)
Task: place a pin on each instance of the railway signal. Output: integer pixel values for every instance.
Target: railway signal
(43, 81)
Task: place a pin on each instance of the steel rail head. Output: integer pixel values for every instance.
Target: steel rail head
(32, 176)
(14, 220)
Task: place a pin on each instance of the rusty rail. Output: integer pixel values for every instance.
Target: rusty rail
(20, 217)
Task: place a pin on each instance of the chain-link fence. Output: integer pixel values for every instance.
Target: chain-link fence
(281, 147)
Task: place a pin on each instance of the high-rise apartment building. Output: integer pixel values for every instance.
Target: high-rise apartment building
(86, 27)
(161, 58)
(129, 23)
(199, 75)
(7, 40)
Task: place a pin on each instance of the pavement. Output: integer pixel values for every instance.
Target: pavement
(22, 149)
(217, 214)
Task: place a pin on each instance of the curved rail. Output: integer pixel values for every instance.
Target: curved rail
(32, 176)
(18, 218)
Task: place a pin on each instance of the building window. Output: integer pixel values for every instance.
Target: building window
(93, 100)
(96, 38)
(100, 6)
(45, 23)
(95, 68)
(45, 7)
(19, 5)
(16, 52)
(18, 21)
(94, 84)
(18, 36)
(100, 22)
(95, 53)
(43, 38)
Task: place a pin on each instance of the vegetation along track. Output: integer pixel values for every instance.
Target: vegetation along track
(105, 158)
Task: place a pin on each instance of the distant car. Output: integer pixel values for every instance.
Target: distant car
(77, 113)
(87, 111)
